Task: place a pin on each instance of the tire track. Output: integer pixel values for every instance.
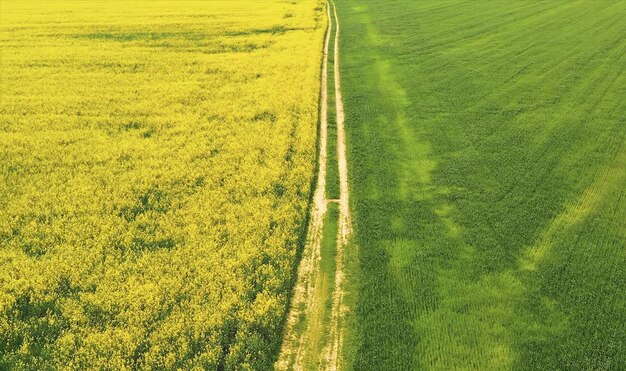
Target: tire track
(304, 305)
(293, 346)
(333, 353)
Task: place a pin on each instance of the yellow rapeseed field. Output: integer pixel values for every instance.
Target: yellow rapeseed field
(156, 159)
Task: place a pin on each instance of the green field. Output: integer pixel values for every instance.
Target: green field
(487, 153)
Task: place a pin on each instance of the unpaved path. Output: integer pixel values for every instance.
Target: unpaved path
(345, 221)
(304, 305)
(294, 342)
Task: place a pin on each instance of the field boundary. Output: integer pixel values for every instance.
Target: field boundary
(333, 355)
(313, 330)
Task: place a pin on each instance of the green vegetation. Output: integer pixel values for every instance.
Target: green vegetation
(332, 170)
(323, 292)
(487, 150)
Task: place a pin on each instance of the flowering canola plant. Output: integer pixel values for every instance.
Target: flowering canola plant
(156, 159)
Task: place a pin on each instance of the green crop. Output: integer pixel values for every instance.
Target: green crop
(487, 150)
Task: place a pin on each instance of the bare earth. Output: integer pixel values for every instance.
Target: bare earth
(303, 305)
(345, 221)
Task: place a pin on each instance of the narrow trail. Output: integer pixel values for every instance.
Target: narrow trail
(304, 321)
(344, 195)
(345, 220)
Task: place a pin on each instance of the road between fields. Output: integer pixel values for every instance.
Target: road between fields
(307, 322)
(345, 220)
